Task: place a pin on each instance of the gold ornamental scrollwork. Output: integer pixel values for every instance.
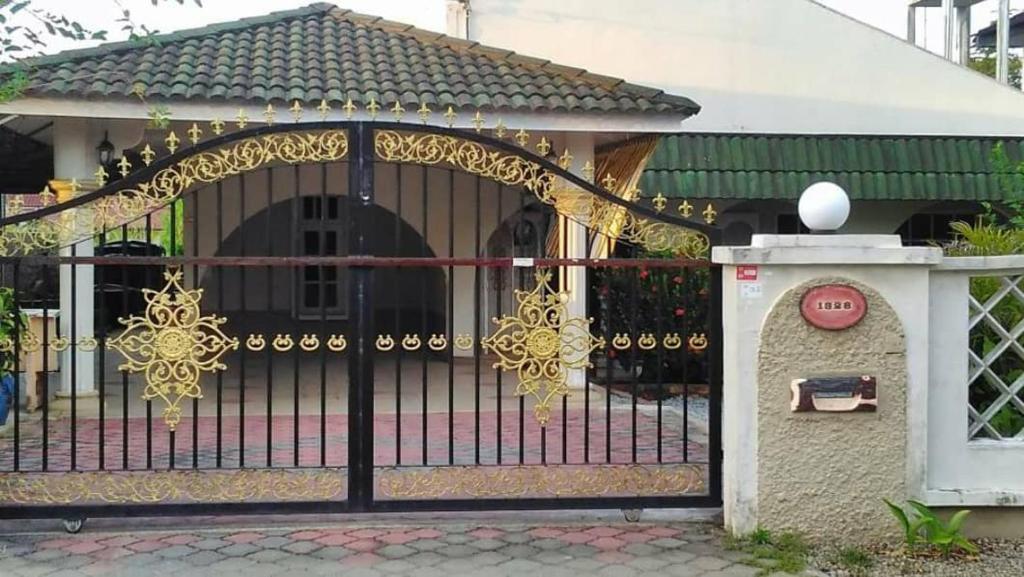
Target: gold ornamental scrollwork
(621, 341)
(111, 211)
(608, 218)
(542, 343)
(337, 343)
(411, 342)
(385, 343)
(173, 344)
(698, 343)
(647, 341)
(283, 343)
(244, 485)
(255, 342)
(309, 343)
(464, 342)
(437, 342)
(672, 341)
(541, 481)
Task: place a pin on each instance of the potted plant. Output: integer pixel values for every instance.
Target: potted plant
(13, 325)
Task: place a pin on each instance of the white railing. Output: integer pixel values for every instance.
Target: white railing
(976, 382)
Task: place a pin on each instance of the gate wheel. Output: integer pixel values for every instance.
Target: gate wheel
(632, 515)
(73, 525)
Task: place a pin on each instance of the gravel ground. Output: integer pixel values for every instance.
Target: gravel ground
(997, 559)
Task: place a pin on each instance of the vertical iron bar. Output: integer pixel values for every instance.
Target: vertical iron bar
(476, 328)
(360, 402)
(688, 290)
(323, 314)
(522, 285)
(398, 315)
(634, 287)
(46, 378)
(74, 358)
(659, 328)
(242, 290)
(149, 403)
(270, 306)
(220, 308)
(173, 250)
(101, 354)
(424, 273)
(124, 373)
(296, 272)
(16, 280)
(609, 364)
(500, 274)
(451, 318)
(196, 284)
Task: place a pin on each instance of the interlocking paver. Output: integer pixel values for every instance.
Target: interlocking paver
(447, 550)
(301, 547)
(175, 552)
(395, 551)
(238, 550)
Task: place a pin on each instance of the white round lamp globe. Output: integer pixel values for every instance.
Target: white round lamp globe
(824, 207)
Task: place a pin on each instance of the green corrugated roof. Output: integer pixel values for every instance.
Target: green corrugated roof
(739, 166)
(325, 52)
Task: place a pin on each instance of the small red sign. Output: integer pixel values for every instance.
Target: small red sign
(746, 272)
(833, 307)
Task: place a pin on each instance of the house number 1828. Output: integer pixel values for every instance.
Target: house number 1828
(833, 307)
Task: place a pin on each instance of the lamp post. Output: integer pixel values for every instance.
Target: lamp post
(824, 207)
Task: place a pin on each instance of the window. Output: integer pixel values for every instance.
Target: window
(321, 288)
(926, 229)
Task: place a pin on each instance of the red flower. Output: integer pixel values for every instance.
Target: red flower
(604, 291)
(678, 280)
(611, 353)
(644, 273)
(680, 312)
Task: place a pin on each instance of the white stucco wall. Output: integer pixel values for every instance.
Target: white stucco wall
(758, 66)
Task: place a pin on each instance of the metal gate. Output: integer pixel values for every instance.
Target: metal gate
(356, 316)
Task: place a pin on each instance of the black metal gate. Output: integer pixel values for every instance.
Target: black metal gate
(356, 316)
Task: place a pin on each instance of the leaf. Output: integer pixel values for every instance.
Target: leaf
(962, 542)
(909, 529)
(19, 6)
(957, 520)
(922, 509)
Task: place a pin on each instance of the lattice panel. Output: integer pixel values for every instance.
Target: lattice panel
(995, 354)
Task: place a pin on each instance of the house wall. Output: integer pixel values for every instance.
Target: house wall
(755, 66)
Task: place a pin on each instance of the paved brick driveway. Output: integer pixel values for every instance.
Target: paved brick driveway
(444, 549)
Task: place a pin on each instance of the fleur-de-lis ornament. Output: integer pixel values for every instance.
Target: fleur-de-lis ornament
(296, 111)
(398, 111)
(424, 112)
(217, 125)
(450, 116)
(478, 121)
(242, 120)
(269, 114)
(148, 154)
(522, 137)
(194, 134)
(373, 108)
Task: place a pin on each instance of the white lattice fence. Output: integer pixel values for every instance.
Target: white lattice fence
(995, 355)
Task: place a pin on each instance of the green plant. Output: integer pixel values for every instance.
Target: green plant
(941, 535)
(13, 325)
(786, 552)
(853, 559)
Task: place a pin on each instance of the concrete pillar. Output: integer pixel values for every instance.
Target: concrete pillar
(574, 243)
(74, 156)
(822, 473)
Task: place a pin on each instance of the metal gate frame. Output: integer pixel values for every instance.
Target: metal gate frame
(20, 234)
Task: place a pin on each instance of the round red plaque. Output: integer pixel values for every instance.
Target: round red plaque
(833, 307)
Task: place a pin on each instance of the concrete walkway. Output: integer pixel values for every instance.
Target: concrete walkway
(445, 547)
